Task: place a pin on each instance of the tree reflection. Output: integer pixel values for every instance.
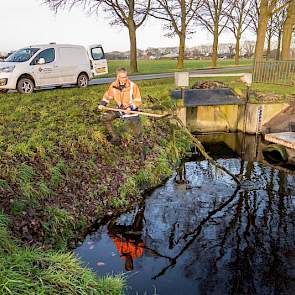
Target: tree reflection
(241, 245)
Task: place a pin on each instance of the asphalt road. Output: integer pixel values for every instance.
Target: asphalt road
(100, 81)
(171, 75)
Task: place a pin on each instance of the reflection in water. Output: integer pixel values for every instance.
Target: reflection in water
(127, 239)
(209, 238)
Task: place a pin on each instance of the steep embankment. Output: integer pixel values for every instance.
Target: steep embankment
(59, 173)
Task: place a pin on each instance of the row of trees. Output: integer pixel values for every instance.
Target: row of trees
(274, 16)
(267, 18)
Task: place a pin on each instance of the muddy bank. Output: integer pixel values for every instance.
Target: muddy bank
(51, 205)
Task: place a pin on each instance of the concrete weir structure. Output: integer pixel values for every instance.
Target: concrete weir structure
(230, 116)
(221, 110)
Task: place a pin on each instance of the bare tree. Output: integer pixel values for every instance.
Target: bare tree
(274, 25)
(249, 47)
(275, 29)
(288, 30)
(215, 17)
(178, 16)
(239, 22)
(254, 15)
(270, 33)
(267, 8)
(278, 21)
(128, 13)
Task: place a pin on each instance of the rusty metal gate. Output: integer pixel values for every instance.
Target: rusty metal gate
(274, 72)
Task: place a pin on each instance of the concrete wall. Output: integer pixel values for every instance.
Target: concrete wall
(268, 111)
(213, 118)
(228, 118)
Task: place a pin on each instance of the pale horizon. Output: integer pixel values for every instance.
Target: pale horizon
(30, 22)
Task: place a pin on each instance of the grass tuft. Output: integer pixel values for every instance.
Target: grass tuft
(59, 227)
(31, 271)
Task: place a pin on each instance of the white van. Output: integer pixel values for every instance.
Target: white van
(51, 65)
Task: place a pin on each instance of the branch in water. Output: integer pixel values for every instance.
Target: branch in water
(202, 150)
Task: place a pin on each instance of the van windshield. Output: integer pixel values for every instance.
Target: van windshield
(22, 55)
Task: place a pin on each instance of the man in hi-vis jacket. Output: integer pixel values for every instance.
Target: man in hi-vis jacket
(127, 97)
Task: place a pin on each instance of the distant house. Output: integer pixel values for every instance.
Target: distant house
(225, 55)
(200, 52)
(169, 56)
(117, 55)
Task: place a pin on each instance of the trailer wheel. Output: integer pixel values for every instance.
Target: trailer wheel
(2, 91)
(83, 80)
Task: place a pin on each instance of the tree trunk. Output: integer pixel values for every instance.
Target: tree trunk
(287, 31)
(278, 53)
(262, 28)
(182, 35)
(268, 47)
(237, 49)
(215, 46)
(181, 51)
(133, 47)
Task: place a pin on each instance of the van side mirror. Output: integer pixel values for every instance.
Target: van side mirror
(41, 61)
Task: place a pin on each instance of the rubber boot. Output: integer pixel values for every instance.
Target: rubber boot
(116, 140)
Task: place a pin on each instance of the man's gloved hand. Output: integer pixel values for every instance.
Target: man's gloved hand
(128, 110)
(100, 107)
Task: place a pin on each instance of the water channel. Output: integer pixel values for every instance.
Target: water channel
(206, 236)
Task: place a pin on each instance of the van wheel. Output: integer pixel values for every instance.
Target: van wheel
(25, 86)
(3, 91)
(82, 81)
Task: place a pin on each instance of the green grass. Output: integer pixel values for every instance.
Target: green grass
(32, 125)
(271, 88)
(32, 271)
(236, 83)
(59, 227)
(58, 172)
(168, 66)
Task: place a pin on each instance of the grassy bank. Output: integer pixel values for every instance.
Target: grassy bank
(54, 149)
(31, 271)
(59, 173)
(168, 66)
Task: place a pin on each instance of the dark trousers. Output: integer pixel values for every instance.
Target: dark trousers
(133, 122)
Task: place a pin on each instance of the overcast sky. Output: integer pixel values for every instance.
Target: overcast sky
(28, 22)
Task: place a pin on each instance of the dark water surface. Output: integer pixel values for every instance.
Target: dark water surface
(205, 237)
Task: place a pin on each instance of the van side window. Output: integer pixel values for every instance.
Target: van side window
(97, 53)
(47, 54)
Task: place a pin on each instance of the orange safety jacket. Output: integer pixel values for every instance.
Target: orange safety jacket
(127, 247)
(127, 97)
